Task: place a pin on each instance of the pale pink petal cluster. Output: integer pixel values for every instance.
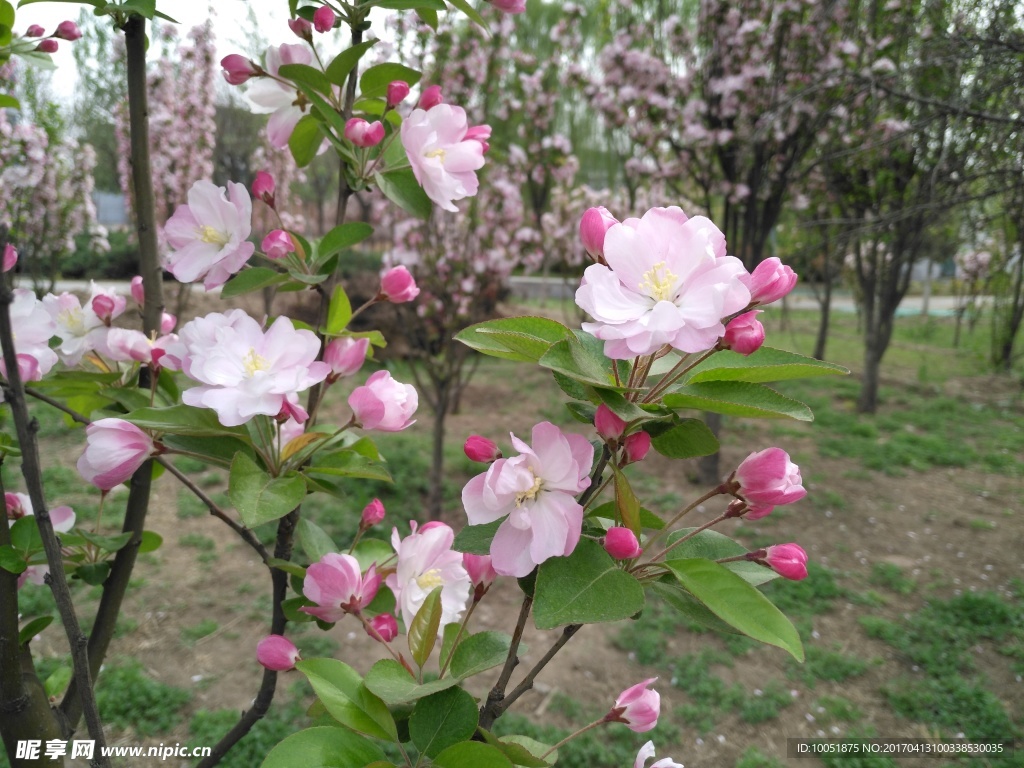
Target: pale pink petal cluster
(81, 328)
(443, 157)
(208, 236)
(32, 327)
(384, 404)
(638, 707)
(647, 752)
(114, 449)
(535, 493)
(767, 479)
(270, 95)
(338, 586)
(242, 370)
(668, 281)
(426, 561)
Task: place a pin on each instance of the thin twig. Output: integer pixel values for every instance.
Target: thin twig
(527, 682)
(491, 709)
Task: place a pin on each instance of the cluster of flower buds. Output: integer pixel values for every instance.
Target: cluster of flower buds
(66, 30)
(611, 428)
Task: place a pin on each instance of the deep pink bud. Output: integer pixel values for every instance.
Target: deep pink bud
(277, 653)
(278, 244)
(766, 479)
(68, 30)
(481, 573)
(346, 355)
(430, 97)
(636, 446)
(263, 187)
(138, 291)
(770, 281)
(47, 46)
(744, 333)
(103, 306)
(481, 449)
(238, 69)
(10, 257)
(385, 626)
(593, 227)
(301, 28)
(637, 707)
(480, 133)
(35, 31)
(373, 513)
(509, 6)
(621, 543)
(397, 91)
(323, 19)
(609, 426)
(167, 322)
(787, 560)
(398, 286)
(364, 134)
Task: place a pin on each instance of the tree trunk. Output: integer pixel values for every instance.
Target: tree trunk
(708, 467)
(823, 320)
(926, 293)
(873, 350)
(435, 502)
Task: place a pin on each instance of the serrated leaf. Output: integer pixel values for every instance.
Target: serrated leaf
(686, 440)
(370, 551)
(392, 682)
(374, 81)
(314, 540)
(713, 545)
(183, 420)
(424, 627)
(306, 75)
(480, 652)
(260, 498)
(323, 747)
(690, 607)
(401, 188)
(472, 754)
(338, 70)
(252, 279)
(514, 338)
(348, 701)
(738, 398)
(11, 560)
(442, 719)
(342, 237)
(766, 364)
(476, 539)
(348, 463)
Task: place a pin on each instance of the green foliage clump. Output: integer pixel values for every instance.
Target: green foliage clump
(128, 698)
(284, 718)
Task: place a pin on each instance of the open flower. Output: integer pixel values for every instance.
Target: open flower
(208, 236)
(536, 491)
(767, 479)
(270, 94)
(647, 752)
(338, 586)
(61, 518)
(638, 707)
(667, 281)
(114, 449)
(426, 561)
(383, 403)
(32, 327)
(443, 158)
(81, 328)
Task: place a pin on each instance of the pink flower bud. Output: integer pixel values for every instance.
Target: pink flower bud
(398, 286)
(770, 281)
(10, 257)
(766, 479)
(383, 403)
(167, 322)
(35, 31)
(291, 412)
(114, 449)
(68, 30)
(364, 134)
(373, 513)
(277, 653)
(744, 333)
(609, 426)
(787, 560)
(263, 187)
(301, 28)
(28, 368)
(636, 446)
(345, 356)
(509, 6)
(593, 227)
(337, 586)
(397, 91)
(637, 707)
(430, 97)
(481, 573)
(47, 46)
(621, 543)
(481, 449)
(278, 244)
(138, 291)
(323, 19)
(385, 626)
(103, 306)
(479, 133)
(237, 69)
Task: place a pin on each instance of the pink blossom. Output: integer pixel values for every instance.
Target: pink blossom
(481, 573)
(103, 306)
(397, 285)
(345, 355)
(32, 327)
(138, 291)
(114, 449)
(337, 586)
(61, 518)
(384, 404)
(385, 626)
(35, 31)
(647, 752)
(270, 95)
(509, 6)
(481, 134)
(766, 479)
(124, 345)
(536, 491)
(621, 543)
(373, 513)
(238, 69)
(242, 370)
(398, 90)
(278, 244)
(667, 281)
(208, 236)
(323, 19)
(430, 97)
(263, 187)
(167, 322)
(443, 160)
(770, 281)
(636, 446)
(481, 449)
(787, 560)
(364, 134)
(68, 30)
(594, 225)
(638, 707)
(608, 425)
(78, 327)
(426, 561)
(744, 333)
(47, 46)
(277, 653)
(301, 28)
(10, 257)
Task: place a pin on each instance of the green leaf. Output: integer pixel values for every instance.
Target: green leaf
(219, 451)
(687, 605)
(738, 398)
(348, 463)
(766, 364)
(686, 440)
(323, 747)
(514, 338)
(314, 540)
(252, 279)
(183, 420)
(11, 560)
(292, 569)
(340, 311)
(93, 574)
(442, 719)
(306, 75)
(305, 140)
(401, 188)
(521, 750)
(408, 5)
(712, 545)
(470, 11)
(342, 237)
(260, 498)
(106, 543)
(428, 17)
(150, 541)
(392, 682)
(370, 551)
(343, 694)
(9, 102)
(622, 407)
(374, 81)
(472, 754)
(647, 518)
(424, 628)
(476, 539)
(145, 8)
(57, 683)
(25, 535)
(344, 62)
(33, 628)
(584, 588)
(737, 603)
(626, 503)
(480, 652)
(581, 359)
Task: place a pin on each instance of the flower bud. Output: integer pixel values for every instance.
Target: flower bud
(323, 19)
(278, 244)
(277, 653)
(637, 707)
(68, 30)
(609, 426)
(35, 31)
(301, 28)
(481, 449)
(10, 257)
(636, 447)
(770, 281)
(593, 227)
(481, 573)
(47, 46)
(345, 355)
(787, 560)
(364, 134)
(385, 626)
(237, 69)
(138, 291)
(263, 187)
(397, 91)
(621, 543)
(114, 449)
(383, 403)
(479, 133)
(373, 513)
(103, 306)
(167, 322)
(766, 479)
(398, 286)
(430, 97)
(509, 6)
(744, 333)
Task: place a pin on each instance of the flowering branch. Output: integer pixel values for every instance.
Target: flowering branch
(492, 708)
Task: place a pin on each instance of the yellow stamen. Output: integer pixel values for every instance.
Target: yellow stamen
(209, 234)
(73, 320)
(436, 153)
(254, 362)
(529, 495)
(430, 579)
(659, 283)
